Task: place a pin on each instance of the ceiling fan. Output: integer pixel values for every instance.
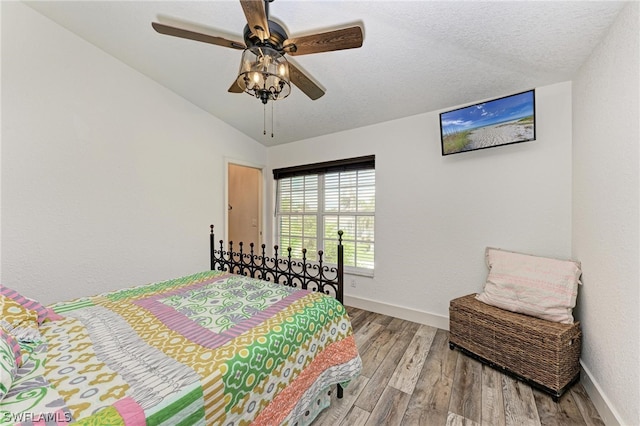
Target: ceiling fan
(264, 72)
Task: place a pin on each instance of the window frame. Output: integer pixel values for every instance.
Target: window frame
(321, 170)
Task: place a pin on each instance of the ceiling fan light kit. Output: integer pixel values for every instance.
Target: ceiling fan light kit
(264, 71)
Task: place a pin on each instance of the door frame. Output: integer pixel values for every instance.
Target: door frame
(261, 189)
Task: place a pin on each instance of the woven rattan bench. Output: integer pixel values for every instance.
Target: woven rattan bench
(544, 354)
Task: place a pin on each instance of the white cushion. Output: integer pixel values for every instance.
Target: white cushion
(538, 286)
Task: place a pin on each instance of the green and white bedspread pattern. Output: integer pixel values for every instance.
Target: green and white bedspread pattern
(208, 348)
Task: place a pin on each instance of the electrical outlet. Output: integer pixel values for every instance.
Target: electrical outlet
(353, 283)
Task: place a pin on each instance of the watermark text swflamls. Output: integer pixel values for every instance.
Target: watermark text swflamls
(58, 417)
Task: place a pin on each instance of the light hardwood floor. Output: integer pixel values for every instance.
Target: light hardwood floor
(411, 377)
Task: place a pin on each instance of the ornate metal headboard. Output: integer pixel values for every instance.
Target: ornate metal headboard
(308, 275)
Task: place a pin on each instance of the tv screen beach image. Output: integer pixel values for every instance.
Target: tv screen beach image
(497, 122)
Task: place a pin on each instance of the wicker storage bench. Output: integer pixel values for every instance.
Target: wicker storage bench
(544, 354)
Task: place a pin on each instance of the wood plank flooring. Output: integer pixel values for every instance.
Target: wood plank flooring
(411, 377)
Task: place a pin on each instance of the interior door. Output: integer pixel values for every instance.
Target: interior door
(244, 196)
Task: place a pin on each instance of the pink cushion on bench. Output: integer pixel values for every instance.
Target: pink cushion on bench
(538, 286)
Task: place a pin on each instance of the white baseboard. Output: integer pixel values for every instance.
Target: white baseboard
(607, 413)
(395, 311)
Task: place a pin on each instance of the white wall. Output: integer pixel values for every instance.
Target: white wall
(108, 179)
(435, 215)
(606, 214)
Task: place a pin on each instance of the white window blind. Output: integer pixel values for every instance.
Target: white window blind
(316, 201)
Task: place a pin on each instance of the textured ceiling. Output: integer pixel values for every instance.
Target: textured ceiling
(417, 56)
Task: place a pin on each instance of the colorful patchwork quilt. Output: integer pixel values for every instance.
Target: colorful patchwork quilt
(206, 349)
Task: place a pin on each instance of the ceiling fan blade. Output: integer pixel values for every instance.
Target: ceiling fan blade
(256, 14)
(347, 38)
(304, 83)
(235, 88)
(197, 36)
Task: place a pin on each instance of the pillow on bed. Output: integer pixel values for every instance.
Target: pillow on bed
(19, 321)
(538, 286)
(10, 360)
(43, 312)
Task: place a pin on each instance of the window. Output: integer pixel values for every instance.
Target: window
(315, 201)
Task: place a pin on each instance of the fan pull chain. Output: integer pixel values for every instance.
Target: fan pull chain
(264, 119)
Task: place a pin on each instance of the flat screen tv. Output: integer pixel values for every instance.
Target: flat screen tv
(502, 121)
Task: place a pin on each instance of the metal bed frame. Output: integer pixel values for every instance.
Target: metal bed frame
(304, 274)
